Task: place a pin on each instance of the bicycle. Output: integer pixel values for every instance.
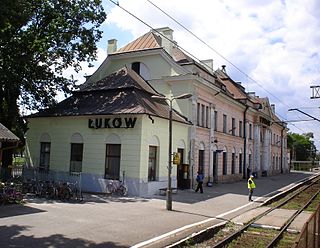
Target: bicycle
(10, 194)
(117, 186)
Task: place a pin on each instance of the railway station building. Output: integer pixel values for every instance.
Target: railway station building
(112, 124)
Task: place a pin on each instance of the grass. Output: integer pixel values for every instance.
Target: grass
(288, 239)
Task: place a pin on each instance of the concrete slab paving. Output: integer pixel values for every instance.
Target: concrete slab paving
(275, 219)
(104, 221)
(249, 215)
(299, 221)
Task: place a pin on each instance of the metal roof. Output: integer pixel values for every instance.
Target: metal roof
(7, 135)
(122, 92)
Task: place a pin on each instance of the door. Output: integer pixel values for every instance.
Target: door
(215, 166)
(180, 170)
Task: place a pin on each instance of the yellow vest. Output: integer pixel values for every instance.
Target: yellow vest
(251, 184)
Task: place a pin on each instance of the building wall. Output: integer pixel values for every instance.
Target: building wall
(155, 63)
(134, 149)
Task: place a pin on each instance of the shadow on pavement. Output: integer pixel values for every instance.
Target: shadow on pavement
(10, 237)
(265, 186)
(87, 198)
(16, 210)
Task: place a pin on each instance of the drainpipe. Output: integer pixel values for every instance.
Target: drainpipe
(245, 142)
(281, 151)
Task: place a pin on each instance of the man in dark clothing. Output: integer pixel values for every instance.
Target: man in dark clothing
(199, 180)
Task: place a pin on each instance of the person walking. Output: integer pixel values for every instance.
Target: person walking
(251, 187)
(199, 180)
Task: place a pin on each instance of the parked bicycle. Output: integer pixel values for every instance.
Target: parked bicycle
(10, 194)
(117, 187)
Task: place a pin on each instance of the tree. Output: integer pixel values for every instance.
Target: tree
(39, 39)
(302, 148)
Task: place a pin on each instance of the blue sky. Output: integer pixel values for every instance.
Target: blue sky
(275, 44)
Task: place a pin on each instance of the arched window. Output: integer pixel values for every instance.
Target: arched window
(141, 69)
(45, 149)
(76, 154)
(201, 158)
(113, 157)
(224, 161)
(240, 161)
(233, 161)
(153, 158)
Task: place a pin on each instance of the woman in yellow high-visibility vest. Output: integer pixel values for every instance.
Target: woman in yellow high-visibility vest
(251, 187)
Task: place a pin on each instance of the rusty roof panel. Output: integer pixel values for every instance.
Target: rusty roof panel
(6, 134)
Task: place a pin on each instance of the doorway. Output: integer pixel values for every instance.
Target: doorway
(215, 166)
(180, 170)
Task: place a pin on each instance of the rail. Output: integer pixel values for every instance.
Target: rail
(235, 235)
(309, 235)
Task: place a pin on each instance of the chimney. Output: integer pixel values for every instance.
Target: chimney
(251, 94)
(273, 108)
(223, 68)
(112, 46)
(167, 40)
(208, 64)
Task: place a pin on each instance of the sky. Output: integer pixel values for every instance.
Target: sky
(271, 46)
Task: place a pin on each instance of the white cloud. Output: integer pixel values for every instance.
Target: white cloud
(277, 43)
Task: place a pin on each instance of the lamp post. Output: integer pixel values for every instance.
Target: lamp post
(169, 188)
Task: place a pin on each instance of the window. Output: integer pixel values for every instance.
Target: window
(250, 131)
(141, 69)
(233, 132)
(224, 123)
(113, 157)
(44, 155)
(136, 67)
(240, 163)
(201, 161)
(233, 163)
(76, 157)
(203, 116)
(207, 116)
(198, 114)
(240, 129)
(224, 163)
(215, 120)
(152, 167)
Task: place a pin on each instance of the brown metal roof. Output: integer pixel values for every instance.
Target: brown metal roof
(7, 135)
(147, 41)
(122, 92)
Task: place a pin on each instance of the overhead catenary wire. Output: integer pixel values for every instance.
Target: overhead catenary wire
(211, 48)
(193, 56)
(222, 56)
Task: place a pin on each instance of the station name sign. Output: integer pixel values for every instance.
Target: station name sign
(112, 122)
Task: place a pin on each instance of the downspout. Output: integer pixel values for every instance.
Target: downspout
(245, 142)
(281, 151)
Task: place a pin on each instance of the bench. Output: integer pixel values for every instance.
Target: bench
(163, 191)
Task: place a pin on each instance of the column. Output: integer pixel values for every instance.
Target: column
(266, 150)
(256, 148)
(212, 144)
(192, 136)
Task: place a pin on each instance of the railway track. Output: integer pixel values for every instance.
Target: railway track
(251, 235)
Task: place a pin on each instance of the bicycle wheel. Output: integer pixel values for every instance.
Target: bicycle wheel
(123, 190)
(110, 188)
(18, 197)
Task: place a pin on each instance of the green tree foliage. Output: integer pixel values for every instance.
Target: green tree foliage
(39, 39)
(302, 148)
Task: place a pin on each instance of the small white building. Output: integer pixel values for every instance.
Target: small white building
(107, 128)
